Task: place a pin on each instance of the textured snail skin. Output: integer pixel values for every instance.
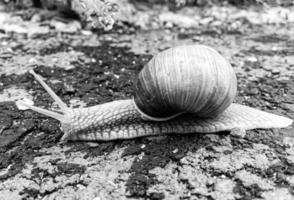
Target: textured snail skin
(120, 120)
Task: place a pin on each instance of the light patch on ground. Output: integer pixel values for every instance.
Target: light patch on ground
(290, 180)
(249, 179)
(268, 15)
(241, 158)
(105, 176)
(290, 153)
(74, 103)
(173, 181)
(279, 194)
(271, 61)
(22, 63)
(87, 38)
(168, 182)
(15, 24)
(8, 195)
(14, 94)
(214, 16)
(223, 190)
(35, 46)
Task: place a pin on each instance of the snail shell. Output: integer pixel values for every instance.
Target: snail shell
(186, 79)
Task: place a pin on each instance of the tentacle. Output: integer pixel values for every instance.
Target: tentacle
(59, 117)
(60, 103)
(64, 109)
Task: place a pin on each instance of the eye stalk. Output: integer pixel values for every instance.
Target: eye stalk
(63, 107)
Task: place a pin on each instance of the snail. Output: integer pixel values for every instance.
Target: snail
(184, 89)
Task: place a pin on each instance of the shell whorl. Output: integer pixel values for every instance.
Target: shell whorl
(186, 79)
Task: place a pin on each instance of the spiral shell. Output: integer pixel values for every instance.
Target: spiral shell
(185, 79)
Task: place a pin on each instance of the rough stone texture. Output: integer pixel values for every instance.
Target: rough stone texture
(103, 67)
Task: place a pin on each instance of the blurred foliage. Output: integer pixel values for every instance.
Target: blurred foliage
(97, 13)
(53, 4)
(175, 4)
(104, 13)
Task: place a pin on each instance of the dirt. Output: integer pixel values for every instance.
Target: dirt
(87, 68)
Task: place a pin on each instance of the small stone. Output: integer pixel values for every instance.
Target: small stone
(238, 132)
(288, 106)
(156, 195)
(86, 32)
(288, 132)
(290, 159)
(253, 91)
(252, 59)
(224, 186)
(69, 88)
(93, 144)
(179, 156)
(275, 71)
(175, 150)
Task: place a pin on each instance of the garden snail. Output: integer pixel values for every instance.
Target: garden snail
(184, 89)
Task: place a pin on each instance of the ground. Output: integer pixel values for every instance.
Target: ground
(86, 68)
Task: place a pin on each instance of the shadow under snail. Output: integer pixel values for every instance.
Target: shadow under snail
(185, 89)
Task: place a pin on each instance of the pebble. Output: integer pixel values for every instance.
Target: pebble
(238, 132)
(288, 106)
(275, 71)
(252, 91)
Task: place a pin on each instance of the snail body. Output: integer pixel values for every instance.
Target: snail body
(184, 89)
